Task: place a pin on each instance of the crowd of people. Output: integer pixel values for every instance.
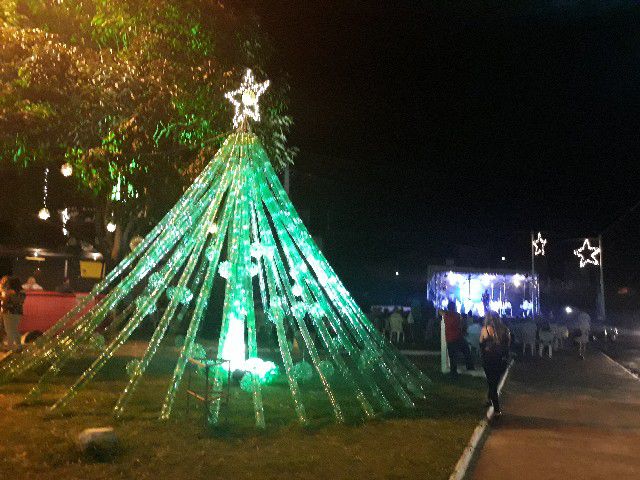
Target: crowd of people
(396, 323)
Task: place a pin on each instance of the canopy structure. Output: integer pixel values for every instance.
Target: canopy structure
(235, 221)
(507, 292)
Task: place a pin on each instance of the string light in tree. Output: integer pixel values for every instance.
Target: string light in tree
(587, 254)
(245, 98)
(66, 169)
(65, 216)
(539, 244)
(44, 213)
(111, 226)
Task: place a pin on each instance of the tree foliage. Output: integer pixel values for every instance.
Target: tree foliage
(130, 92)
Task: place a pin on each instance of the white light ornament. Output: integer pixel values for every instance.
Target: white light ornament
(65, 216)
(538, 245)
(224, 269)
(44, 213)
(297, 290)
(66, 169)
(587, 254)
(245, 99)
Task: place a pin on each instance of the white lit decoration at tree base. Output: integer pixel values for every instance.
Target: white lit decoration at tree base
(265, 259)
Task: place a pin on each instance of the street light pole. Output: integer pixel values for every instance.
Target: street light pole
(602, 306)
(533, 279)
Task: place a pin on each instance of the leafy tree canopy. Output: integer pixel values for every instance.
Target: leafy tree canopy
(130, 92)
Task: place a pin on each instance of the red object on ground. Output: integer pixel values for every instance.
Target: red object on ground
(42, 309)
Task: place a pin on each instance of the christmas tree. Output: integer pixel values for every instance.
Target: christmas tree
(235, 221)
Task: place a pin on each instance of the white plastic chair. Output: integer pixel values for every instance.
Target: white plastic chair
(395, 328)
(397, 336)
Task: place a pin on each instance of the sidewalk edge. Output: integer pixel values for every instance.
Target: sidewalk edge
(479, 433)
(620, 365)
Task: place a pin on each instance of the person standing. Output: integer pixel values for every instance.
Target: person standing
(454, 336)
(584, 324)
(3, 289)
(396, 324)
(410, 321)
(13, 301)
(492, 351)
(31, 284)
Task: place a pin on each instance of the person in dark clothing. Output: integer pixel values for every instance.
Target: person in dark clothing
(494, 348)
(454, 335)
(13, 300)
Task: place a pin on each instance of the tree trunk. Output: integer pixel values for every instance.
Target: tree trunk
(115, 249)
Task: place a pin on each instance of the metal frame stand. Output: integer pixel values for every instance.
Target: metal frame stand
(209, 395)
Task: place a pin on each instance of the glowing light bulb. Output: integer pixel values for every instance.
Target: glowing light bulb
(249, 98)
(111, 227)
(44, 214)
(66, 169)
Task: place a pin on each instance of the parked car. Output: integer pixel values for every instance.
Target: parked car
(603, 333)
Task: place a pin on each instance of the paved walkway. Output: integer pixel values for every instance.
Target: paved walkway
(564, 419)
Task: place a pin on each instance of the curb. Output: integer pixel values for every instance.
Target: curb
(620, 365)
(479, 433)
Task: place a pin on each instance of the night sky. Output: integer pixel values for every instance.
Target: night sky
(430, 131)
(423, 127)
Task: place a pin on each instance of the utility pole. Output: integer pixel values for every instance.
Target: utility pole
(533, 279)
(602, 307)
(286, 179)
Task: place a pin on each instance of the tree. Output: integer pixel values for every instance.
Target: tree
(129, 92)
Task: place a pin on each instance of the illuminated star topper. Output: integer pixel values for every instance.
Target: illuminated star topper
(245, 98)
(587, 254)
(538, 245)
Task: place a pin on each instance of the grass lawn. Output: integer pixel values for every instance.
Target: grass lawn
(423, 443)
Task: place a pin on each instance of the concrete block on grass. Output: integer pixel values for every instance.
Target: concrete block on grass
(99, 443)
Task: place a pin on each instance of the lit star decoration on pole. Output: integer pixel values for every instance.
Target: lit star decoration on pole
(245, 98)
(587, 254)
(539, 244)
